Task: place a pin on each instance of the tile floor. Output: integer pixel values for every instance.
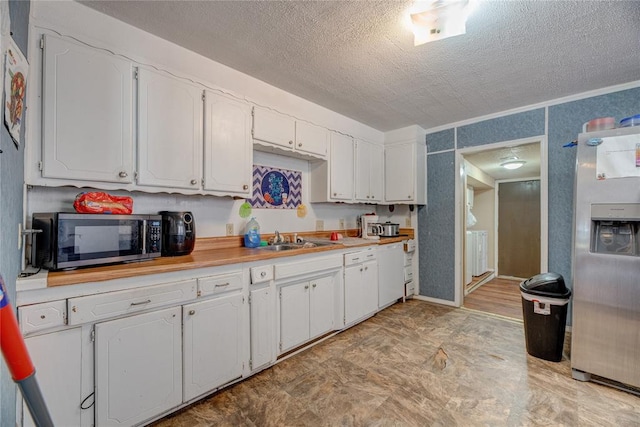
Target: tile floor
(416, 364)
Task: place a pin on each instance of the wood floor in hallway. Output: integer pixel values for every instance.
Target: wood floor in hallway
(497, 296)
(416, 364)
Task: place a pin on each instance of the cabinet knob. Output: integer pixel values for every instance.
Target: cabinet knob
(366, 268)
(245, 187)
(290, 142)
(335, 194)
(194, 181)
(360, 268)
(306, 286)
(43, 316)
(314, 285)
(123, 174)
(264, 273)
(192, 312)
(299, 144)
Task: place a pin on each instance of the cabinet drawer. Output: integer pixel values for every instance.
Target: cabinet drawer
(408, 260)
(408, 273)
(112, 304)
(261, 274)
(359, 257)
(42, 316)
(410, 246)
(293, 269)
(409, 288)
(219, 284)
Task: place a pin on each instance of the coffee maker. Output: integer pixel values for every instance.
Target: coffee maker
(178, 233)
(370, 229)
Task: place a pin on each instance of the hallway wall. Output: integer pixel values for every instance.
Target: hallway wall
(560, 122)
(11, 183)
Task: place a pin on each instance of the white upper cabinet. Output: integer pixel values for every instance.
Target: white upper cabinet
(341, 167)
(274, 128)
(170, 142)
(369, 171)
(228, 149)
(277, 132)
(87, 110)
(311, 139)
(333, 180)
(405, 173)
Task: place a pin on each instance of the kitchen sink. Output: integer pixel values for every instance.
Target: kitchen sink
(282, 247)
(277, 247)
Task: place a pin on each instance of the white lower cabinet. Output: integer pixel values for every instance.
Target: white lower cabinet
(214, 343)
(57, 359)
(262, 327)
(390, 273)
(360, 290)
(138, 367)
(294, 315)
(306, 311)
(321, 306)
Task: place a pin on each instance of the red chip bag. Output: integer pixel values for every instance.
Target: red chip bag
(103, 203)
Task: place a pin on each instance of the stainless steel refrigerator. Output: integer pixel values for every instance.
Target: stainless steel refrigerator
(606, 257)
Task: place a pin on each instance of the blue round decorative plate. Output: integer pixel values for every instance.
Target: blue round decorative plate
(275, 188)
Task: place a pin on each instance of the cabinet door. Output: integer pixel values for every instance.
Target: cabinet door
(138, 367)
(321, 306)
(376, 171)
(169, 131)
(311, 139)
(57, 358)
(213, 344)
(353, 304)
(294, 315)
(370, 287)
(262, 327)
(87, 110)
(228, 148)
(341, 167)
(390, 273)
(399, 173)
(274, 128)
(363, 164)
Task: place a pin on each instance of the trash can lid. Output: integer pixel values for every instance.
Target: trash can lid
(546, 285)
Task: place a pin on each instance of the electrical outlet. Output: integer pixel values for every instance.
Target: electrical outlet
(229, 229)
(341, 224)
(407, 222)
(319, 225)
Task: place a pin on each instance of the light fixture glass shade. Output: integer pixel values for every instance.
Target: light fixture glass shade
(513, 164)
(441, 19)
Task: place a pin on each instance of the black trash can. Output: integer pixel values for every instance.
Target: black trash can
(544, 307)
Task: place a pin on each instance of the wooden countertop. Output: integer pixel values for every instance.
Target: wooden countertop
(208, 252)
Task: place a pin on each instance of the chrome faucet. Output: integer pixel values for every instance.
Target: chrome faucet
(278, 238)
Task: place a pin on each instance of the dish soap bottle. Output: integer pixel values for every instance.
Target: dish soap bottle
(252, 234)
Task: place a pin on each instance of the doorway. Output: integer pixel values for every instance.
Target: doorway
(519, 229)
(481, 171)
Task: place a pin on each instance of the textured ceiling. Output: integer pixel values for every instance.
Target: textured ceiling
(357, 57)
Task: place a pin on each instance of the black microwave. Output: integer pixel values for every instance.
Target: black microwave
(69, 240)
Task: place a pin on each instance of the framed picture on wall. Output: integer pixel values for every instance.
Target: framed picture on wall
(15, 86)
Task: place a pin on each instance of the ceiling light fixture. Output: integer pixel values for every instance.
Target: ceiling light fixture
(513, 164)
(436, 20)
